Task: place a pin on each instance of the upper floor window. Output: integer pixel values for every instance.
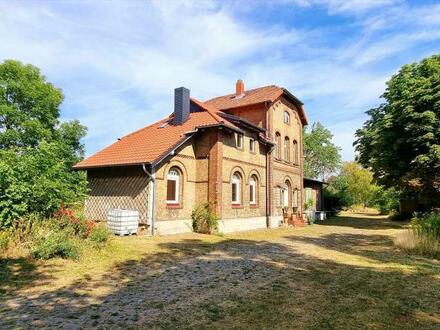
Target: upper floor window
(286, 117)
(278, 145)
(253, 190)
(286, 149)
(240, 141)
(236, 188)
(173, 186)
(295, 152)
(252, 145)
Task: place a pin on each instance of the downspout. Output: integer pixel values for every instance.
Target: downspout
(152, 176)
(268, 172)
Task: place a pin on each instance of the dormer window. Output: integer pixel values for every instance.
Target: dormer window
(286, 117)
(240, 141)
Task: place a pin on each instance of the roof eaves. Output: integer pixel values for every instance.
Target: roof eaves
(315, 180)
(186, 136)
(86, 167)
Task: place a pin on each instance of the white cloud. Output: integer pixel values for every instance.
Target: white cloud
(118, 62)
(344, 6)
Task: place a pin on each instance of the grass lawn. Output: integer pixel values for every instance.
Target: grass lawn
(343, 273)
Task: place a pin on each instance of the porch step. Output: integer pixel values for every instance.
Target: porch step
(298, 223)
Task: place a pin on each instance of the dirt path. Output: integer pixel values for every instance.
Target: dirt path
(343, 273)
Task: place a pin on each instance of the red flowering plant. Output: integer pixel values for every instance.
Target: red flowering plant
(67, 218)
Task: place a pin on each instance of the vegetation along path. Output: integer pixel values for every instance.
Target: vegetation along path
(343, 273)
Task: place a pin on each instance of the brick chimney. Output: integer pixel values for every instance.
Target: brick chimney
(239, 88)
(181, 105)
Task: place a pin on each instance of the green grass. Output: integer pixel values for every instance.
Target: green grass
(342, 274)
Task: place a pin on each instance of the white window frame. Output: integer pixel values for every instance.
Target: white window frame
(285, 197)
(173, 175)
(253, 191)
(240, 139)
(236, 180)
(286, 117)
(295, 198)
(252, 145)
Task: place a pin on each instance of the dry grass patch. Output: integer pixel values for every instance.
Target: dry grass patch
(343, 273)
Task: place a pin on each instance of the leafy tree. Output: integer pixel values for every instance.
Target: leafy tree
(321, 156)
(386, 200)
(353, 186)
(37, 151)
(400, 141)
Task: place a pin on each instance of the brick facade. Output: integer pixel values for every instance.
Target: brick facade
(206, 164)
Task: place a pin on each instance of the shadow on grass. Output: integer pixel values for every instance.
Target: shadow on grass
(243, 284)
(362, 223)
(19, 273)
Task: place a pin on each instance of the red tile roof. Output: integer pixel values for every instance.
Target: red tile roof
(154, 141)
(151, 143)
(252, 96)
(256, 96)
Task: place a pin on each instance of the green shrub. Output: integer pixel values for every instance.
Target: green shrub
(423, 237)
(49, 243)
(386, 200)
(427, 225)
(99, 234)
(308, 205)
(204, 220)
(4, 240)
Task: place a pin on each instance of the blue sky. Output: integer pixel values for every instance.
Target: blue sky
(118, 62)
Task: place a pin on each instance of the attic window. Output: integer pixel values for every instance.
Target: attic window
(286, 117)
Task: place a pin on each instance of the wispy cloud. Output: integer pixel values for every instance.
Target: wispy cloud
(118, 62)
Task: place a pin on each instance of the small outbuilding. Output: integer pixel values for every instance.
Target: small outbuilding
(314, 190)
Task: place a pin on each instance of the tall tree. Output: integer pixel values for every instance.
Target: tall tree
(353, 186)
(400, 141)
(37, 151)
(321, 156)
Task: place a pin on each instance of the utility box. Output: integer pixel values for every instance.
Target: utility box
(123, 221)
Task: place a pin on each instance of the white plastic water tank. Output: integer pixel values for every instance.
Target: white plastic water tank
(123, 221)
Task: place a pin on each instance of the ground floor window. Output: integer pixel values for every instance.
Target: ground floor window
(236, 189)
(173, 186)
(253, 190)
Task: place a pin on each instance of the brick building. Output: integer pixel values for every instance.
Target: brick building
(242, 151)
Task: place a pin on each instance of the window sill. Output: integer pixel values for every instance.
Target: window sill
(174, 206)
(236, 206)
(253, 206)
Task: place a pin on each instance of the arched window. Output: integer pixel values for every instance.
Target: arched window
(173, 186)
(253, 190)
(286, 149)
(295, 198)
(287, 194)
(278, 145)
(286, 117)
(295, 152)
(236, 189)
